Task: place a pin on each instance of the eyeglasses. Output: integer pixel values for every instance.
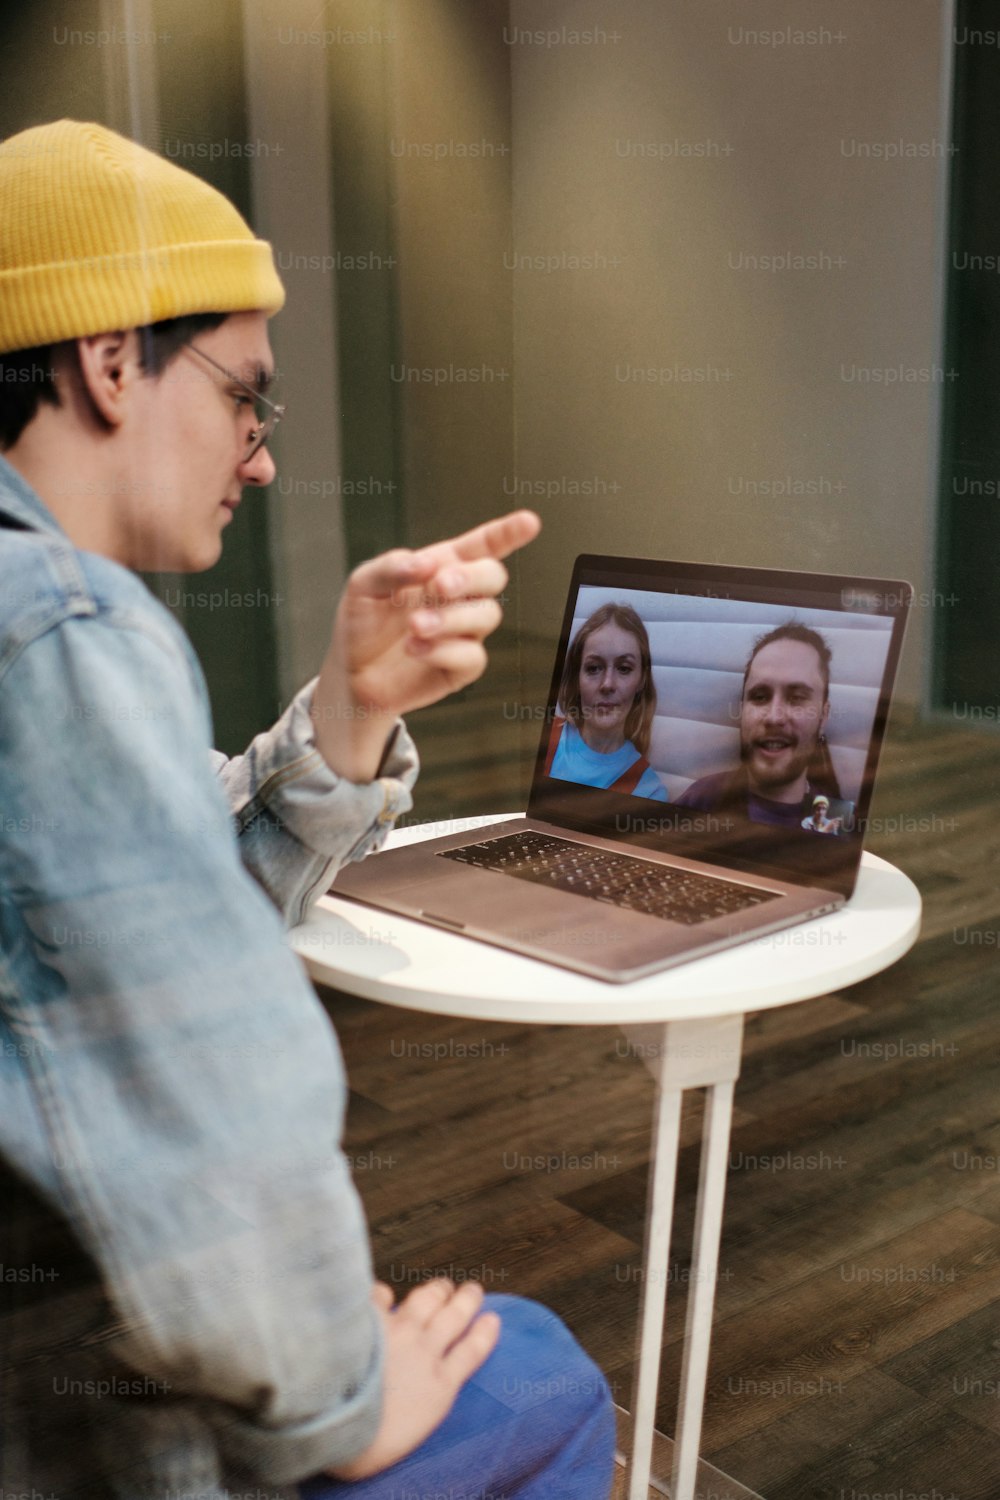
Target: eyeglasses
(267, 415)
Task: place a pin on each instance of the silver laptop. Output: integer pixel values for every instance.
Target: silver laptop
(703, 775)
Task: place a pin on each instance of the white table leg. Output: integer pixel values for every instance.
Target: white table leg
(656, 1260)
(701, 1296)
(682, 1054)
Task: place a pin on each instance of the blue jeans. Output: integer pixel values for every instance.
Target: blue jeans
(534, 1423)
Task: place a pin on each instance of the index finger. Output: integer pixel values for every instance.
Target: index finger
(497, 538)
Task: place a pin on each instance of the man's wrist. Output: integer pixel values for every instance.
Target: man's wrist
(353, 739)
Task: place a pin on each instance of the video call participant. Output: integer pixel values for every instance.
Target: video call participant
(818, 821)
(608, 704)
(784, 759)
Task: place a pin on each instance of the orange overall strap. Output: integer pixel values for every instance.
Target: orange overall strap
(629, 780)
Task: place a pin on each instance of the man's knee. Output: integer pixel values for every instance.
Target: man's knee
(542, 1360)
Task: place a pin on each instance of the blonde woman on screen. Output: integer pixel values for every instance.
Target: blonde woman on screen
(608, 703)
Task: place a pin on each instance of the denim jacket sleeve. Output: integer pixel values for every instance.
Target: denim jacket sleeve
(179, 1094)
(297, 821)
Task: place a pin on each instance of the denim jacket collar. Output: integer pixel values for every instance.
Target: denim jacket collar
(20, 504)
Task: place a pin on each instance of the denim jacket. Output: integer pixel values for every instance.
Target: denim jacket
(184, 1265)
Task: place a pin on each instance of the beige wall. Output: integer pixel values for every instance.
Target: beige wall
(292, 208)
(669, 150)
(450, 159)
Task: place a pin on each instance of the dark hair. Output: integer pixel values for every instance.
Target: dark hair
(793, 631)
(639, 721)
(26, 374)
(821, 774)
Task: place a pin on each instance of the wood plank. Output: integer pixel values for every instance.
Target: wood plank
(828, 1329)
(921, 1454)
(958, 1368)
(873, 1439)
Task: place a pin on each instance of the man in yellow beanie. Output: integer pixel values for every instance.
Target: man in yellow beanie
(186, 1304)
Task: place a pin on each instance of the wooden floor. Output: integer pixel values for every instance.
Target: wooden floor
(856, 1350)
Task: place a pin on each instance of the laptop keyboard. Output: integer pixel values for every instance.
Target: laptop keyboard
(617, 879)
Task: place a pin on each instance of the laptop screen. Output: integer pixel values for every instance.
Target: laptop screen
(734, 715)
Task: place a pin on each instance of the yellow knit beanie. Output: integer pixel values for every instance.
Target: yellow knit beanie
(97, 234)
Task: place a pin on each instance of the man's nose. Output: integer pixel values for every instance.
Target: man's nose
(259, 468)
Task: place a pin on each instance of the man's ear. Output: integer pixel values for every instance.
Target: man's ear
(109, 364)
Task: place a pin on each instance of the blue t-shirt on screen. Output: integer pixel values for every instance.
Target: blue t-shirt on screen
(575, 761)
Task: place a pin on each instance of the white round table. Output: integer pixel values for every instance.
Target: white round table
(685, 1023)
